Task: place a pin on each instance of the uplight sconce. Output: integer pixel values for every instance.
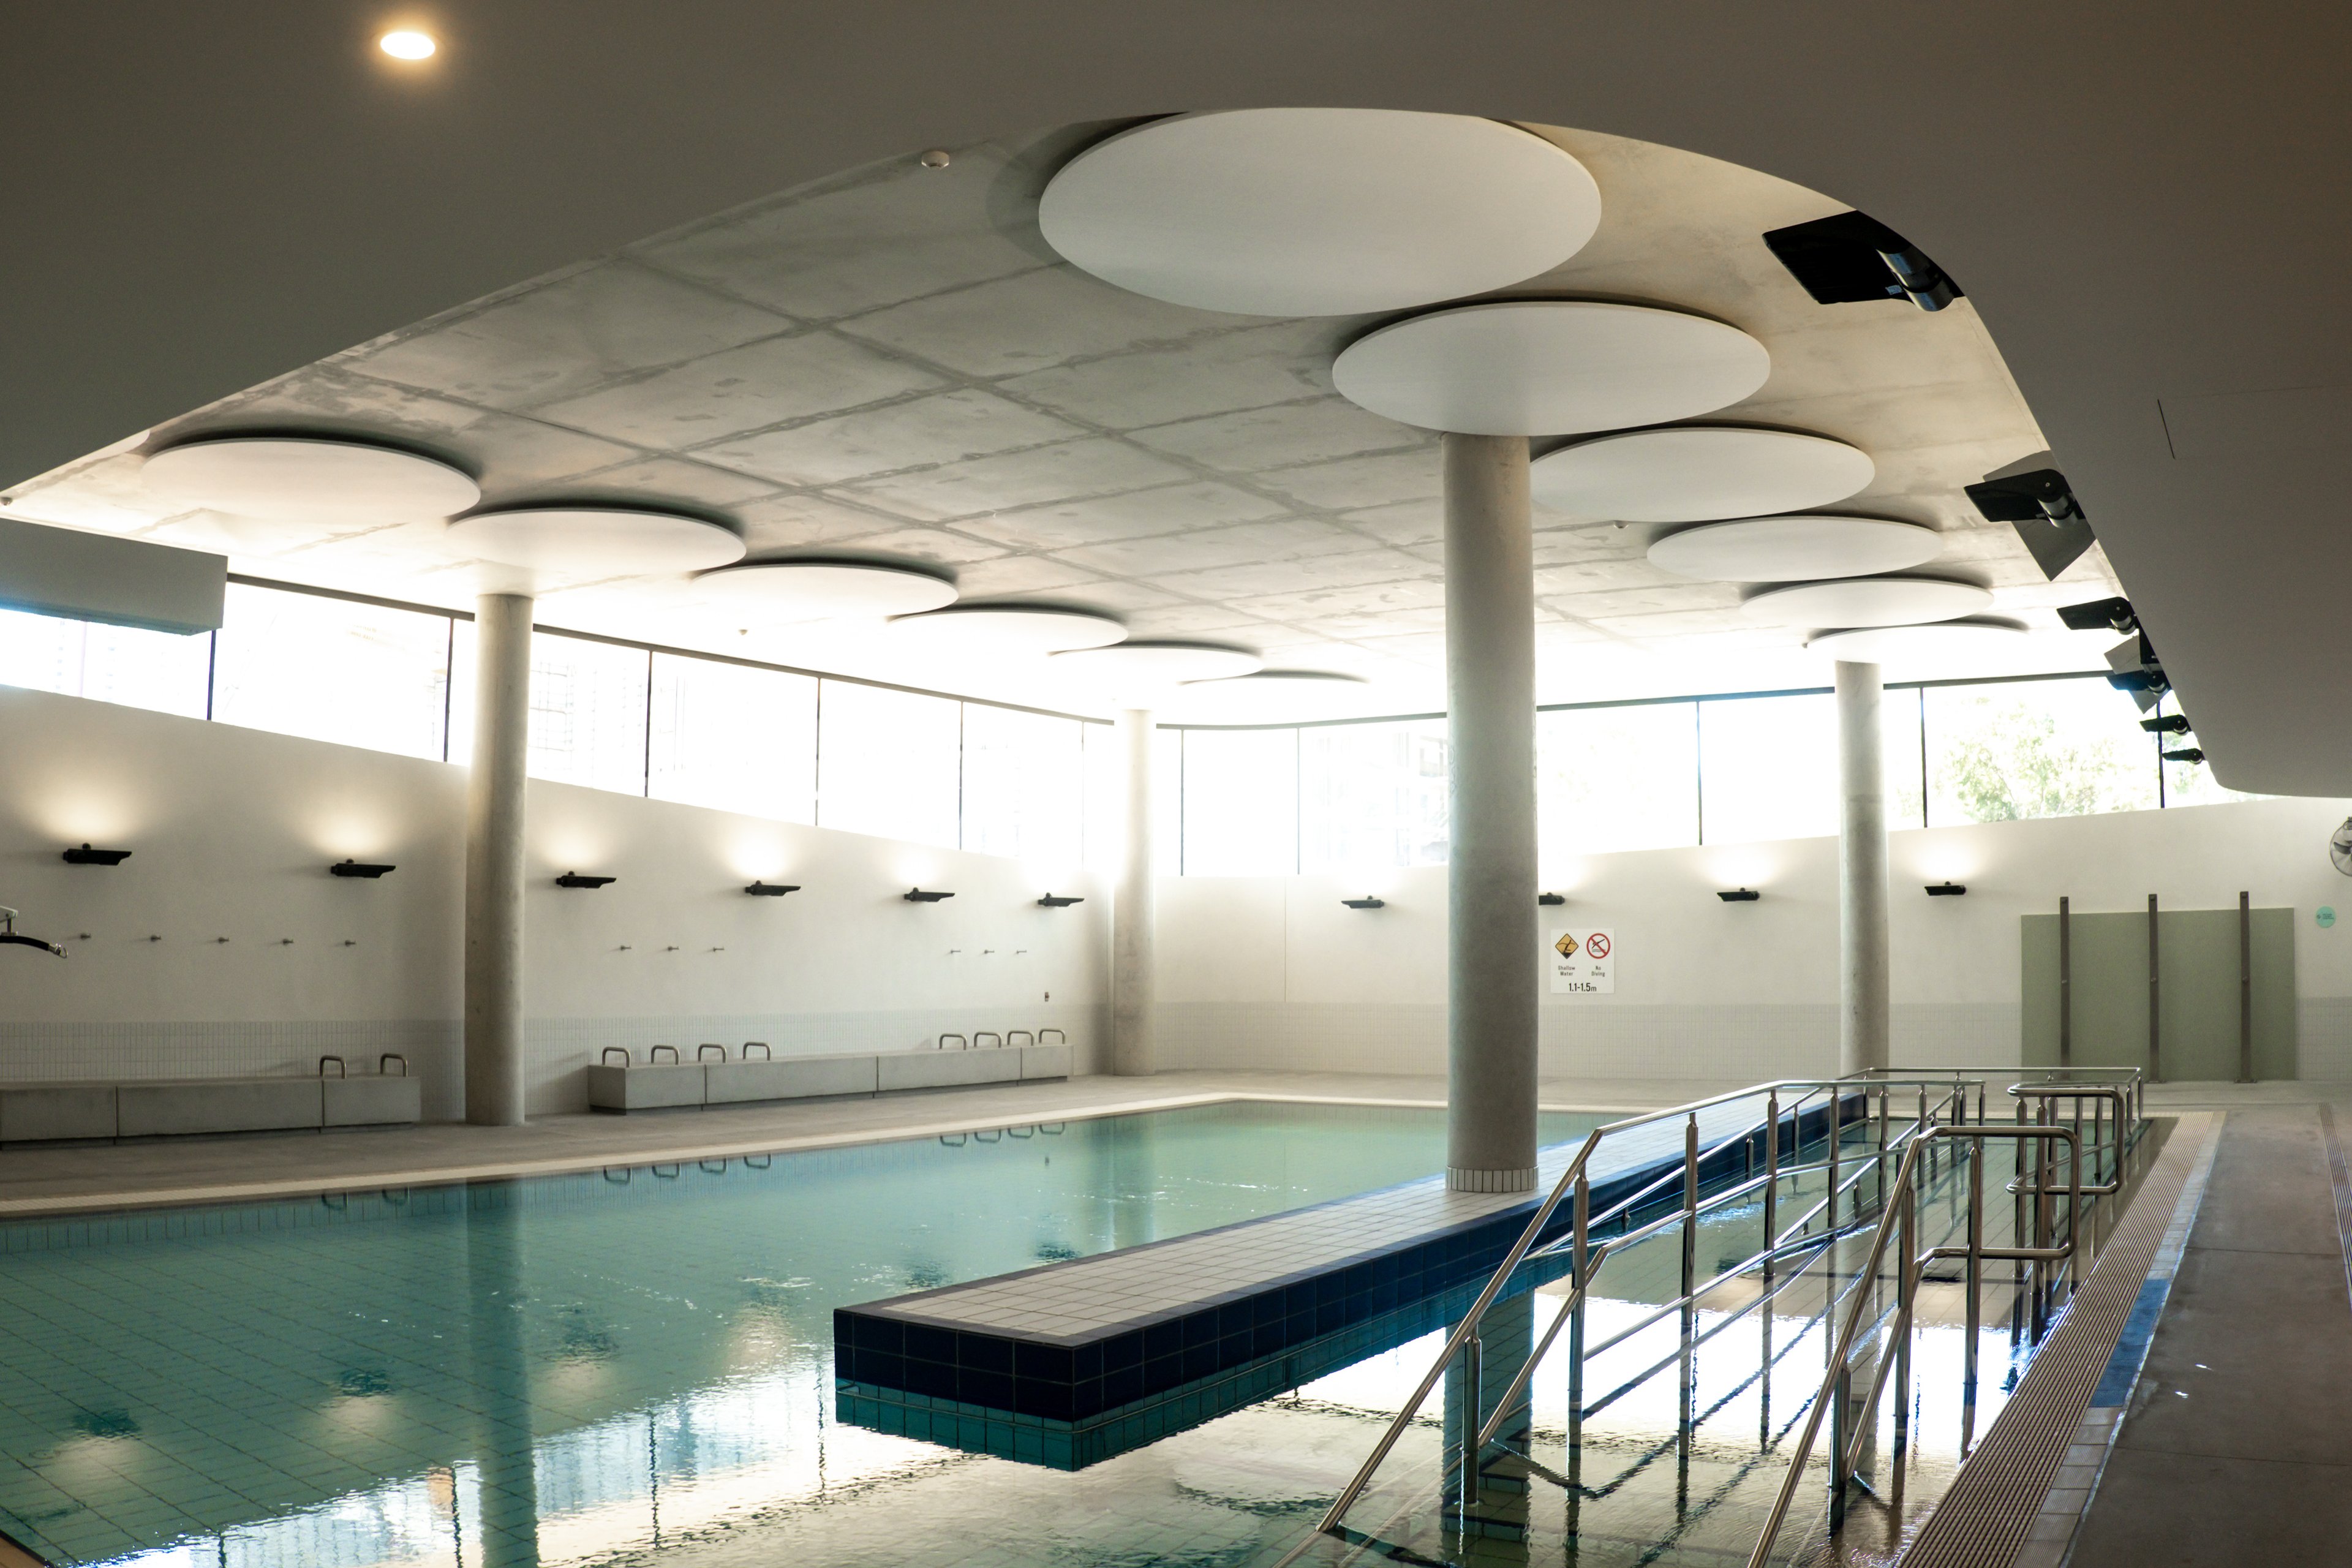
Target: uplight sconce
(354, 869)
(1945, 889)
(86, 856)
(1549, 899)
(574, 879)
(760, 890)
(1366, 903)
(918, 896)
(1058, 902)
(1739, 895)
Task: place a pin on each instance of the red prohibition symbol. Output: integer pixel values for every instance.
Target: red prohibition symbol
(1597, 945)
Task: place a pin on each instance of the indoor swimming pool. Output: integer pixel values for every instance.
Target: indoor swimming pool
(635, 1364)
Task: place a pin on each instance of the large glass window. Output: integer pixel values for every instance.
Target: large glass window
(1903, 757)
(887, 762)
(157, 671)
(1373, 796)
(588, 713)
(2043, 748)
(1024, 788)
(331, 670)
(1616, 778)
(1241, 803)
(1768, 768)
(1106, 825)
(734, 738)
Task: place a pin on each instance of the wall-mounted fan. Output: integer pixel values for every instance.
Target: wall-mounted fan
(2340, 847)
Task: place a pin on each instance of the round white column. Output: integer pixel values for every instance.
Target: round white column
(1862, 984)
(1492, 964)
(494, 861)
(1131, 1047)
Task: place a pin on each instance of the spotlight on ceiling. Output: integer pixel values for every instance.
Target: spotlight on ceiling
(918, 896)
(1945, 889)
(2038, 505)
(2171, 724)
(354, 869)
(574, 879)
(407, 44)
(759, 890)
(1058, 902)
(1366, 903)
(2186, 754)
(1552, 898)
(1739, 895)
(2135, 669)
(2100, 616)
(86, 856)
(1849, 257)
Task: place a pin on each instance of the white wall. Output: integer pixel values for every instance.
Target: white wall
(231, 832)
(1275, 972)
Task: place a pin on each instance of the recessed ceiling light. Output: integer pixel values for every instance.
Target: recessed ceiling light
(1799, 549)
(1549, 367)
(1698, 473)
(407, 44)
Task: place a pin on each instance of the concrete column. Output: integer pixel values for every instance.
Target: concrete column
(494, 844)
(1862, 983)
(1492, 968)
(1131, 1052)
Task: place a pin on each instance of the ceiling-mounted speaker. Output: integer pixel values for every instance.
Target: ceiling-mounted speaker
(2039, 504)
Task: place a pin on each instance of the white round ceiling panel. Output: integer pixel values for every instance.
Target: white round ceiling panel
(1268, 697)
(1939, 642)
(1137, 665)
(1695, 473)
(315, 480)
(1319, 212)
(610, 541)
(1794, 549)
(1005, 630)
(1867, 602)
(826, 590)
(1549, 367)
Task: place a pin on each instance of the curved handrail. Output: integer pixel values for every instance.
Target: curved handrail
(962, 1044)
(1012, 1035)
(654, 1054)
(701, 1051)
(341, 1070)
(605, 1059)
(384, 1061)
(765, 1053)
(1059, 1039)
(980, 1035)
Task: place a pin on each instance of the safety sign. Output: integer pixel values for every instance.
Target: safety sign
(1583, 962)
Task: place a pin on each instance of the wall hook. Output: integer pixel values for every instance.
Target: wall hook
(286, 942)
(719, 950)
(671, 948)
(624, 947)
(154, 939)
(349, 942)
(83, 937)
(220, 939)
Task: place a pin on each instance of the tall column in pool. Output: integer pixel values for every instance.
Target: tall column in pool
(1862, 983)
(494, 858)
(1131, 960)
(1490, 699)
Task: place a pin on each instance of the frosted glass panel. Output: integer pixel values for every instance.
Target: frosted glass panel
(733, 738)
(106, 663)
(887, 763)
(1241, 803)
(329, 670)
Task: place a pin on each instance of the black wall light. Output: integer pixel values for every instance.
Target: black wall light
(1739, 895)
(2171, 724)
(760, 890)
(2187, 755)
(354, 869)
(917, 895)
(574, 879)
(1552, 898)
(1058, 902)
(1366, 903)
(86, 856)
(1945, 889)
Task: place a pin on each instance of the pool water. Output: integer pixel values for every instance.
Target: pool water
(634, 1365)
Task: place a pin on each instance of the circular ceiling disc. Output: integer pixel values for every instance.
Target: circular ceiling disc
(1867, 602)
(1549, 367)
(1697, 473)
(1271, 695)
(1006, 629)
(1794, 549)
(1319, 212)
(1131, 666)
(309, 480)
(615, 540)
(826, 590)
(1939, 642)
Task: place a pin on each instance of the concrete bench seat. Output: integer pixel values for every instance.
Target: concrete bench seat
(154, 1108)
(648, 1086)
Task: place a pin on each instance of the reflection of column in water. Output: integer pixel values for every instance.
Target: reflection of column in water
(1492, 1503)
(1126, 1176)
(494, 1303)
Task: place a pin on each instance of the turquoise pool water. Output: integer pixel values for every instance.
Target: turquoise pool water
(626, 1366)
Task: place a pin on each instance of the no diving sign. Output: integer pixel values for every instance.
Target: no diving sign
(1584, 962)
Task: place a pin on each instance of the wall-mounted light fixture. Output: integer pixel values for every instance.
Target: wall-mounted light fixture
(1945, 889)
(2187, 755)
(1549, 899)
(1058, 902)
(917, 895)
(760, 890)
(353, 869)
(574, 879)
(86, 856)
(2171, 724)
(1366, 903)
(1739, 895)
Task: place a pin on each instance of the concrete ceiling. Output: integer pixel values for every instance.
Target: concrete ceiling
(203, 198)
(892, 362)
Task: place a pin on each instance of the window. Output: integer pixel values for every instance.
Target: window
(1024, 788)
(2043, 748)
(1106, 826)
(331, 670)
(733, 738)
(1241, 803)
(1616, 778)
(1768, 768)
(157, 671)
(1373, 796)
(588, 713)
(887, 762)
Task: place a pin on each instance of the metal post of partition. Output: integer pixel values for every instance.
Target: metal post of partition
(1690, 1217)
(1581, 1253)
(2155, 1038)
(2066, 984)
(1907, 1290)
(2017, 1228)
(2245, 988)
(1976, 1157)
(1837, 1130)
(1771, 1181)
(1472, 1419)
